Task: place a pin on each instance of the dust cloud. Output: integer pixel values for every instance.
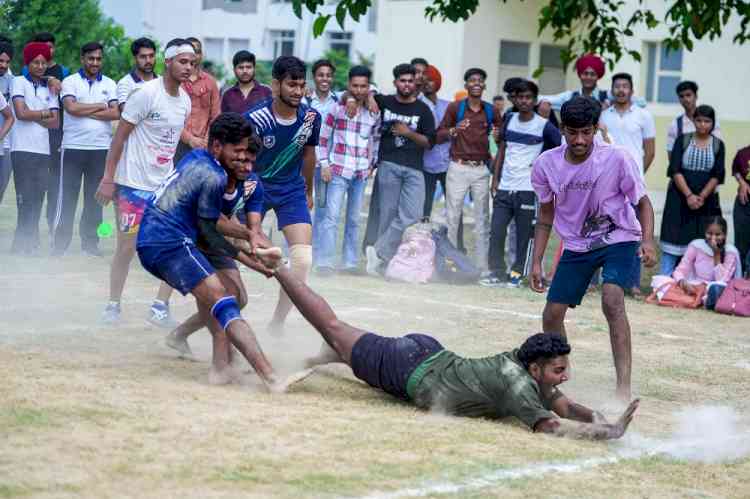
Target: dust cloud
(705, 434)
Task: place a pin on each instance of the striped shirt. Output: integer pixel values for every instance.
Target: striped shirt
(349, 145)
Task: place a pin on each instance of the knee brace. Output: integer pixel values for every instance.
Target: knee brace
(300, 260)
(226, 310)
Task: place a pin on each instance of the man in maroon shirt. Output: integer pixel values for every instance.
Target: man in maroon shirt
(741, 212)
(205, 99)
(247, 91)
(467, 124)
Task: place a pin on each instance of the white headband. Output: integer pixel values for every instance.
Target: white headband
(174, 50)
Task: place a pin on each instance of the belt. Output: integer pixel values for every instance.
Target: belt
(470, 162)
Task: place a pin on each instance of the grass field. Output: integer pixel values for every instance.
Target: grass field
(90, 411)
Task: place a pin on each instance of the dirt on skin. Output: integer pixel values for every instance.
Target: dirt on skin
(92, 411)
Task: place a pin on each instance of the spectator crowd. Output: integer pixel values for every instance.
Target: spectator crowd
(412, 146)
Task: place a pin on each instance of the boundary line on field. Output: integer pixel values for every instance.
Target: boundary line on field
(500, 475)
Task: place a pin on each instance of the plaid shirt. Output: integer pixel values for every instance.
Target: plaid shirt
(349, 145)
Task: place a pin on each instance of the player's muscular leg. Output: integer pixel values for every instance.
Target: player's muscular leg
(177, 338)
(225, 309)
(299, 239)
(118, 272)
(339, 335)
(553, 318)
(613, 306)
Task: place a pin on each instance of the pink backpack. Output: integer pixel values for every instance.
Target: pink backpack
(735, 299)
(415, 259)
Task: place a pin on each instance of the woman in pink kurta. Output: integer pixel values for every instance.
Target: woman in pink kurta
(710, 261)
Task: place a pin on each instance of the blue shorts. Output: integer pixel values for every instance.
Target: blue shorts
(575, 270)
(182, 266)
(288, 202)
(387, 363)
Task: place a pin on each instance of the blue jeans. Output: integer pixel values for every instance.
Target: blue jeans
(401, 199)
(319, 199)
(354, 189)
(668, 263)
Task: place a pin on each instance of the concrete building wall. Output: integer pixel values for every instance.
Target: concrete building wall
(719, 66)
(404, 33)
(229, 27)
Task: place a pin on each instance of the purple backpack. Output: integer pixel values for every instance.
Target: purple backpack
(415, 259)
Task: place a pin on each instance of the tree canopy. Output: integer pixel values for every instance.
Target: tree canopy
(599, 26)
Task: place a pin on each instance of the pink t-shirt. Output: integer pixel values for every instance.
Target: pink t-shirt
(594, 199)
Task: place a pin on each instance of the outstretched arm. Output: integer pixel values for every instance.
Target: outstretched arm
(584, 430)
(567, 409)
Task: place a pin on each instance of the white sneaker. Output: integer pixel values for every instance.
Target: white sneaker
(373, 261)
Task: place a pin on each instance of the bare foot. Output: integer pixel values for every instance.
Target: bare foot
(276, 385)
(327, 355)
(220, 376)
(180, 345)
(270, 257)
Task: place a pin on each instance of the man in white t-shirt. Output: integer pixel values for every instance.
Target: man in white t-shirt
(524, 136)
(36, 111)
(90, 105)
(629, 125)
(633, 128)
(687, 92)
(139, 159)
(6, 83)
(144, 56)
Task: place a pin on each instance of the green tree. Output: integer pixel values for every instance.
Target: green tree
(342, 64)
(74, 23)
(599, 26)
(263, 72)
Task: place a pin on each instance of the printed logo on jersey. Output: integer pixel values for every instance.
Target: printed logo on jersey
(269, 141)
(307, 129)
(250, 186)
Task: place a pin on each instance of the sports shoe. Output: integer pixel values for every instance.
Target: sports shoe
(491, 281)
(159, 316)
(515, 280)
(373, 261)
(111, 314)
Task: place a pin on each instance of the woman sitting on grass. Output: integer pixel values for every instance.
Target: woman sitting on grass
(707, 266)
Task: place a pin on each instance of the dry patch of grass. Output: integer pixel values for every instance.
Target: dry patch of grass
(96, 412)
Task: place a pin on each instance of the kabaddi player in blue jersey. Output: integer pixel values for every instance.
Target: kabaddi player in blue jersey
(242, 204)
(186, 209)
(289, 131)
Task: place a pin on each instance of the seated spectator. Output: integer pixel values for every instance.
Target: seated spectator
(741, 211)
(696, 168)
(709, 261)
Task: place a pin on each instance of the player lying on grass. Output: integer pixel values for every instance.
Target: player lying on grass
(521, 383)
(242, 199)
(188, 207)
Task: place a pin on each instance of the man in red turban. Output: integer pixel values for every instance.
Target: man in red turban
(590, 69)
(33, 50)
